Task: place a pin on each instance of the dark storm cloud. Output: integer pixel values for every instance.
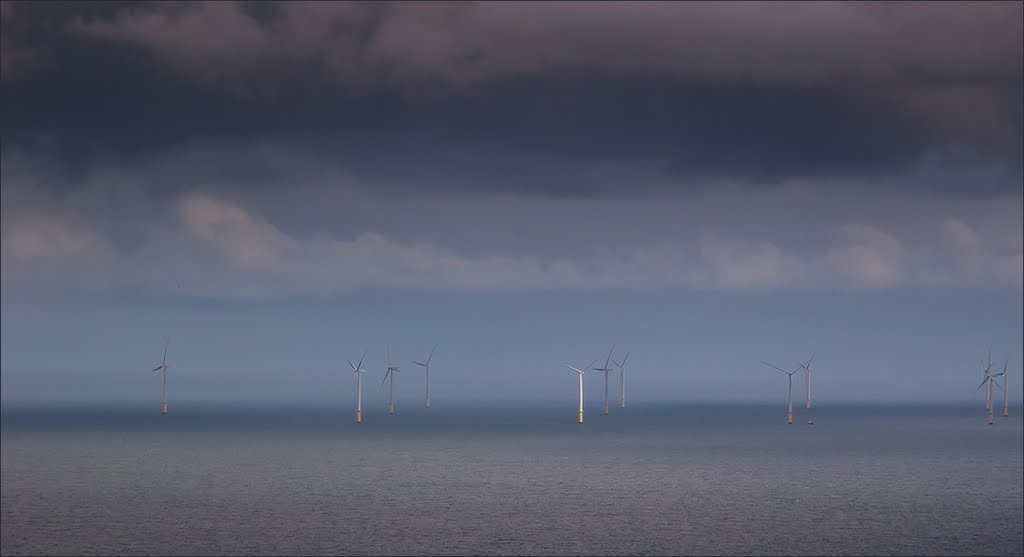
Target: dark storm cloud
(520, 96)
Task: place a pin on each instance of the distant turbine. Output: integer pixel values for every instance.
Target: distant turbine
(988, 398)
(163, 366)
(789, 412)
(427, 366)
(390, 374)
(807, 367)
(580, 372)
(989, 380)
(622, 379)
(359, 371)
(606, 370)
(1006, 390)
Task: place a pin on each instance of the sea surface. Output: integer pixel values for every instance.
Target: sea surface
(511, 479)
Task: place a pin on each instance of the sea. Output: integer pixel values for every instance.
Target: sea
(511, 479)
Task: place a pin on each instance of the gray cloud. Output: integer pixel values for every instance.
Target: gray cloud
(522, 97)
(935, 58)
(462, 43)
(331, 237)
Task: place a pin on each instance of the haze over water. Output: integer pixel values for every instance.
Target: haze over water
(658, 479)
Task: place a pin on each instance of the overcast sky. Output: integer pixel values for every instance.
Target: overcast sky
(279, 186)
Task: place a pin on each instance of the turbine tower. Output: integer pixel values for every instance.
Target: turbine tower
(427, 366)
(580, 372)
(1006, 390)
(390, 374)
(622, 380)
(605, 371)
(163, 386)
(988, 369)
(789, 411)
(358, 371)
(808, 369)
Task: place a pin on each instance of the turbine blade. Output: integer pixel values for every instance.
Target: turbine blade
(157, 368)
(624, 359)
(983, 381)
(774, 366)
(572, 368)
(591, 364)
(617, 364)
(609, 358)
(360, 366)
(350, 363)
(431, 353)
(420, 364)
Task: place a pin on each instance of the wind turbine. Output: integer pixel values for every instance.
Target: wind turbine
(427, 366)
(622, 379)
(580, 372)
(163, 366)
(988, 398)
(989, 380)
(789, 412)
(1006, 390)
(390, 374)
(606, 370)
(807, 367)
(359, 371)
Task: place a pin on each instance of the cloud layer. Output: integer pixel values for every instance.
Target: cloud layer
(222, 240)
(303, 148)
(461, 43)
(506, 96)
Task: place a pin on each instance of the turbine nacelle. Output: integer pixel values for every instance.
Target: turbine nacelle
(807, 365)
(358, 368)
(577, 370)
(427, 364)
(388, 374)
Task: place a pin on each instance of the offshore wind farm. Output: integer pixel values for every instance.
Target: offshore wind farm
(990, 381)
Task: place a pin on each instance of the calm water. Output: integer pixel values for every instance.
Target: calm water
(507, 480)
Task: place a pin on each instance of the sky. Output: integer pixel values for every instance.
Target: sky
(277, 187)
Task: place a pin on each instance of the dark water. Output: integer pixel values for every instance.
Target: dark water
(511, 479)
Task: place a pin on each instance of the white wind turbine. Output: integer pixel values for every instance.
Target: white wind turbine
(789, 411)
(427, 366)
(986, 372)
(808, 369)
(1006, 390)
(163, 386)
(622, 380)
(359, 371)
(990, 380)
(390, 374)
(580, 372)
(605, 371)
